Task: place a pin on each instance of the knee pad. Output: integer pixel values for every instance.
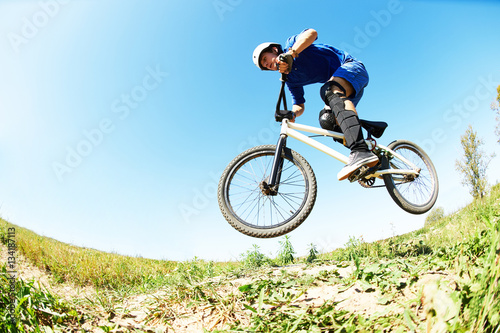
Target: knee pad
(347, 119)
(326, 90)
(327, 119)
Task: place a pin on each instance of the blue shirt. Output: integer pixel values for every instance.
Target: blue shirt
(316, 64)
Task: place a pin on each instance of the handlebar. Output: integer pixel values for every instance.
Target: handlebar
(280, 114)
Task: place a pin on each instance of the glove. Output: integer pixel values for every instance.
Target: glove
(288, 58)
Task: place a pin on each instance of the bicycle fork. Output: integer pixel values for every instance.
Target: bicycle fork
(273, 181)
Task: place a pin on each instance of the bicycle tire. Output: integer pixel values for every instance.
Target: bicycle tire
(253, 167)
(415, 196)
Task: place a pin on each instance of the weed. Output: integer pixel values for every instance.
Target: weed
(254, 258)
(286, 252)
(30, 305)
(312, 253)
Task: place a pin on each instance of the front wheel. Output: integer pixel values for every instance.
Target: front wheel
(414, 194)
(251, 208)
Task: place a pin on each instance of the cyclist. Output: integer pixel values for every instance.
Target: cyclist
(344, 79)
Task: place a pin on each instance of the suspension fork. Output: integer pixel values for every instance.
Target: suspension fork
(275, 176)
(273, 182)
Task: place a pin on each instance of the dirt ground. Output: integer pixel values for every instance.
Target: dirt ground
(131, 313)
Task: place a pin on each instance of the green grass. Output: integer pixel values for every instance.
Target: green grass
(89, 267)
(443, 233)
(464, 247)
(35, 307)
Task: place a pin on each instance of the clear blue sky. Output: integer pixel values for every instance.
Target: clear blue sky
(118, 117)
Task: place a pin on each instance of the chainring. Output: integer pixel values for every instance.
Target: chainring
(366, 183)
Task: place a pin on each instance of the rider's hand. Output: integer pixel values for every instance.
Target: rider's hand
(285, 61)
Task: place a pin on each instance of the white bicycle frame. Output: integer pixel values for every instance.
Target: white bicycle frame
(292, 130)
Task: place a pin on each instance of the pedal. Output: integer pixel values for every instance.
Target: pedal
(358, 174)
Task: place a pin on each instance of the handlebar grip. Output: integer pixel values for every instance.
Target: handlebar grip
(286, 57)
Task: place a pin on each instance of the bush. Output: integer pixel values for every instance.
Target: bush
(254, 259)
(435, 215)
(285, 256)
(313, 253)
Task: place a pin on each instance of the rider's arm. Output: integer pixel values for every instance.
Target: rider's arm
(304, 40)
(298, 109)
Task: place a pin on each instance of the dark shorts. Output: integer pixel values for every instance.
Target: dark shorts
(355, 72)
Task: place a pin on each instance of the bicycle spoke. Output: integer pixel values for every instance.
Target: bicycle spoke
(287, 200)
(260, 210)
(418, 190)
(278, 209)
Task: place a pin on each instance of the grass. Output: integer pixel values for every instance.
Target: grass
(462, 248)
(443, 233)
(112, 277)
(89, 267)
(35, 307)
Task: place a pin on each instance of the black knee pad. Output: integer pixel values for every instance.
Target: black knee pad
(347, 119)
(326, 90)
(323, 90)
(327, 119)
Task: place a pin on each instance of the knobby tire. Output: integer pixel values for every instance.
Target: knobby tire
(252, 212)
(415, 196)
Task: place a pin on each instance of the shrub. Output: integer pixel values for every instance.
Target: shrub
(435, 215)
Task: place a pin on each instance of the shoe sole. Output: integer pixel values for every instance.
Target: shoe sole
(369, 164)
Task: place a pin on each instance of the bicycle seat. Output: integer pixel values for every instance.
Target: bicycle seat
(375, 128)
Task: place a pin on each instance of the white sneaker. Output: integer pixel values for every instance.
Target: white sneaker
(357, 159)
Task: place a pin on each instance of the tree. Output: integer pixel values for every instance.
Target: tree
(495, 106)
(473, 164)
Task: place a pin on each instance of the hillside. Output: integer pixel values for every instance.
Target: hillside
(442, 278)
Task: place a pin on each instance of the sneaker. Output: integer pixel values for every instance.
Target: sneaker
(357, 159)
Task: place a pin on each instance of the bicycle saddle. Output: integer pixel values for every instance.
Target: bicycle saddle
(375, 128)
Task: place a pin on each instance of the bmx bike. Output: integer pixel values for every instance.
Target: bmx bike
(268, 191)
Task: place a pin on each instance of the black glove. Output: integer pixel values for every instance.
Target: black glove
(288, 58)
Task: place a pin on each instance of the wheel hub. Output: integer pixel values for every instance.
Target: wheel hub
(266, 189)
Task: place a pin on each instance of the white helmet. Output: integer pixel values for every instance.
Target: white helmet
(258, 52)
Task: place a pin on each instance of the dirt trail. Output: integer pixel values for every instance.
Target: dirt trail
(130, 313)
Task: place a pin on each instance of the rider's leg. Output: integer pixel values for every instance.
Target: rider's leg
(335, 93)
(345, 112)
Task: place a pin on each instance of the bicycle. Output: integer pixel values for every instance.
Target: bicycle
(268, 191)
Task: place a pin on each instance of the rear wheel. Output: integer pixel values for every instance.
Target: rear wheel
(251, 207)
(414, 194)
